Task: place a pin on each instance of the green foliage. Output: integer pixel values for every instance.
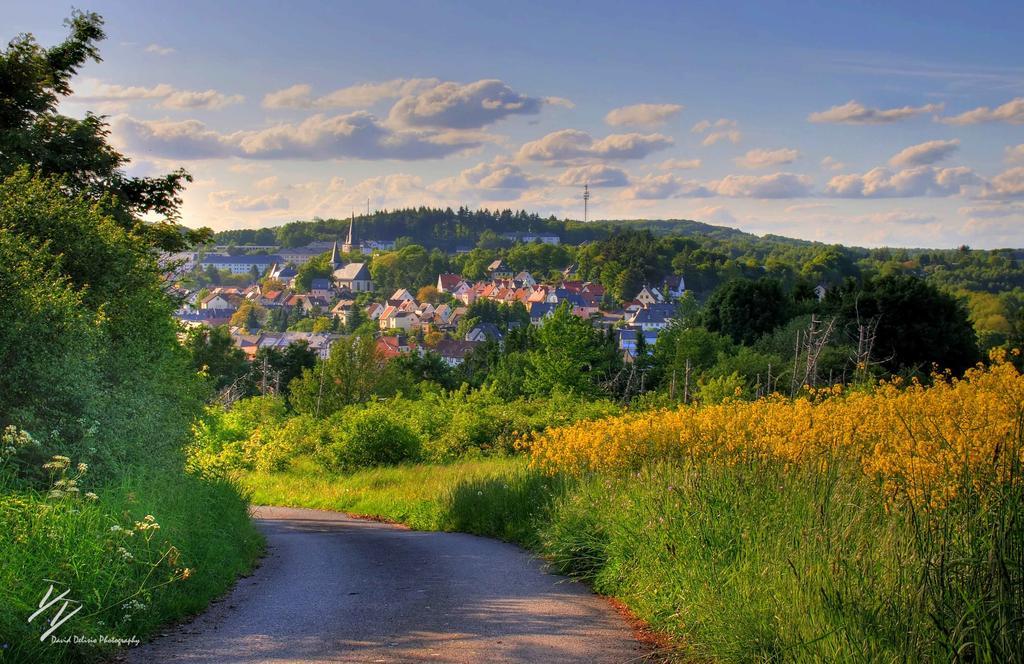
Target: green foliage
(744, 310)
(129, 581)
(213, 353)
(569, 354)
(354, 372)
(917, 324)
(373, 436)
(318, 267)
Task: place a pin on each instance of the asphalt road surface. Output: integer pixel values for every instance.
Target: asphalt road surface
(338, 589)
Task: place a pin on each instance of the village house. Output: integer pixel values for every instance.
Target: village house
(239, 264)
(499, 270)
(355, 277)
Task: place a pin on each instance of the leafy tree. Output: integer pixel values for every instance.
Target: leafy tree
(33, 80)
(213, 353)
(917, 323)
(315, 268)
(745, 310)
(353, 372)
(569, 354)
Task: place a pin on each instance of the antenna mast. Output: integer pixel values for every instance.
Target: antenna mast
(586, 200)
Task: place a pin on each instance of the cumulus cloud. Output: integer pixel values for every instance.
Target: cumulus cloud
(642, 115)
(776, 185)
(722, 129)
(1008, 184)
(354, 96)
(159, 50)
(231, 200)
(1011, 112)
(573, 144)
(924, 154)
(680, 164)
(462, 106)
(667, 185)
(1015, 153)
(166, 95)
(853, 112)
(882, 182)
(832, 164)
(766, 158)
(499, 179)
(596, 175)
(355, 135)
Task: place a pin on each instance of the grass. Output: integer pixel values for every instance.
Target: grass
(749, 562)
(128, 584)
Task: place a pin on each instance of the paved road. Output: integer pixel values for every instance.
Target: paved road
(338, 589)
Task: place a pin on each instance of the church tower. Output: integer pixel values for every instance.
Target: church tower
(335, 258)
(349, 246)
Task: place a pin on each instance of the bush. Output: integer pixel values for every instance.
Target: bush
(371, 437)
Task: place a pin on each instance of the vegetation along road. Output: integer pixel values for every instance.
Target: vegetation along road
(334, 588)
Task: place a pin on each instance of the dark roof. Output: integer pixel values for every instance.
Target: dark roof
(489, 330)
(353, 272)
(455, 348)
(541, 309)
(320, 284)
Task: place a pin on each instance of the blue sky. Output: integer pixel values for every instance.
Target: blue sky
(862, 123)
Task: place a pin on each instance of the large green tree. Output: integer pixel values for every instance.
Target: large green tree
(915, 323)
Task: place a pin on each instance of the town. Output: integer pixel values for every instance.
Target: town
(273, 309)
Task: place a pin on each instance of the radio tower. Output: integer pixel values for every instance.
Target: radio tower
(586, 200)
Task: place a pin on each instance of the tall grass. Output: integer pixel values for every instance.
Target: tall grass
(759, 561)
(129, 576)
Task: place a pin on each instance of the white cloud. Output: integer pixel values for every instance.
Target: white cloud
(993, 210)
(807, 207)
(680, 164)
(169, 97)
(559, 101)
(714, 214)
(267, 182)
(1008, 184)
(832, 164)
(499, 179)
(1011, 112)
(596, 175)
(721, 123)
(362, 95)
(232, 201)
(853, 112)
(765, 158)
(573, 144)
(642, 115)
(205, 99)
(776, 185)
(1015, 153)
(924, 154)
(881, 182)
(159, 50)
(462, 106)
(355, 135)
(722, 129)
(667, 185)
(732, 136)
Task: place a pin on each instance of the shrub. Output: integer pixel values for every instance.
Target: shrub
(370, 437)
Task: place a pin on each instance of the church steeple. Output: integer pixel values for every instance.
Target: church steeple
(348, 246)
(335, 258)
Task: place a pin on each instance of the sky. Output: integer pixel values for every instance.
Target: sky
(863, 123)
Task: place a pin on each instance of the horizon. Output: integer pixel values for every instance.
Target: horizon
(898, 126)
